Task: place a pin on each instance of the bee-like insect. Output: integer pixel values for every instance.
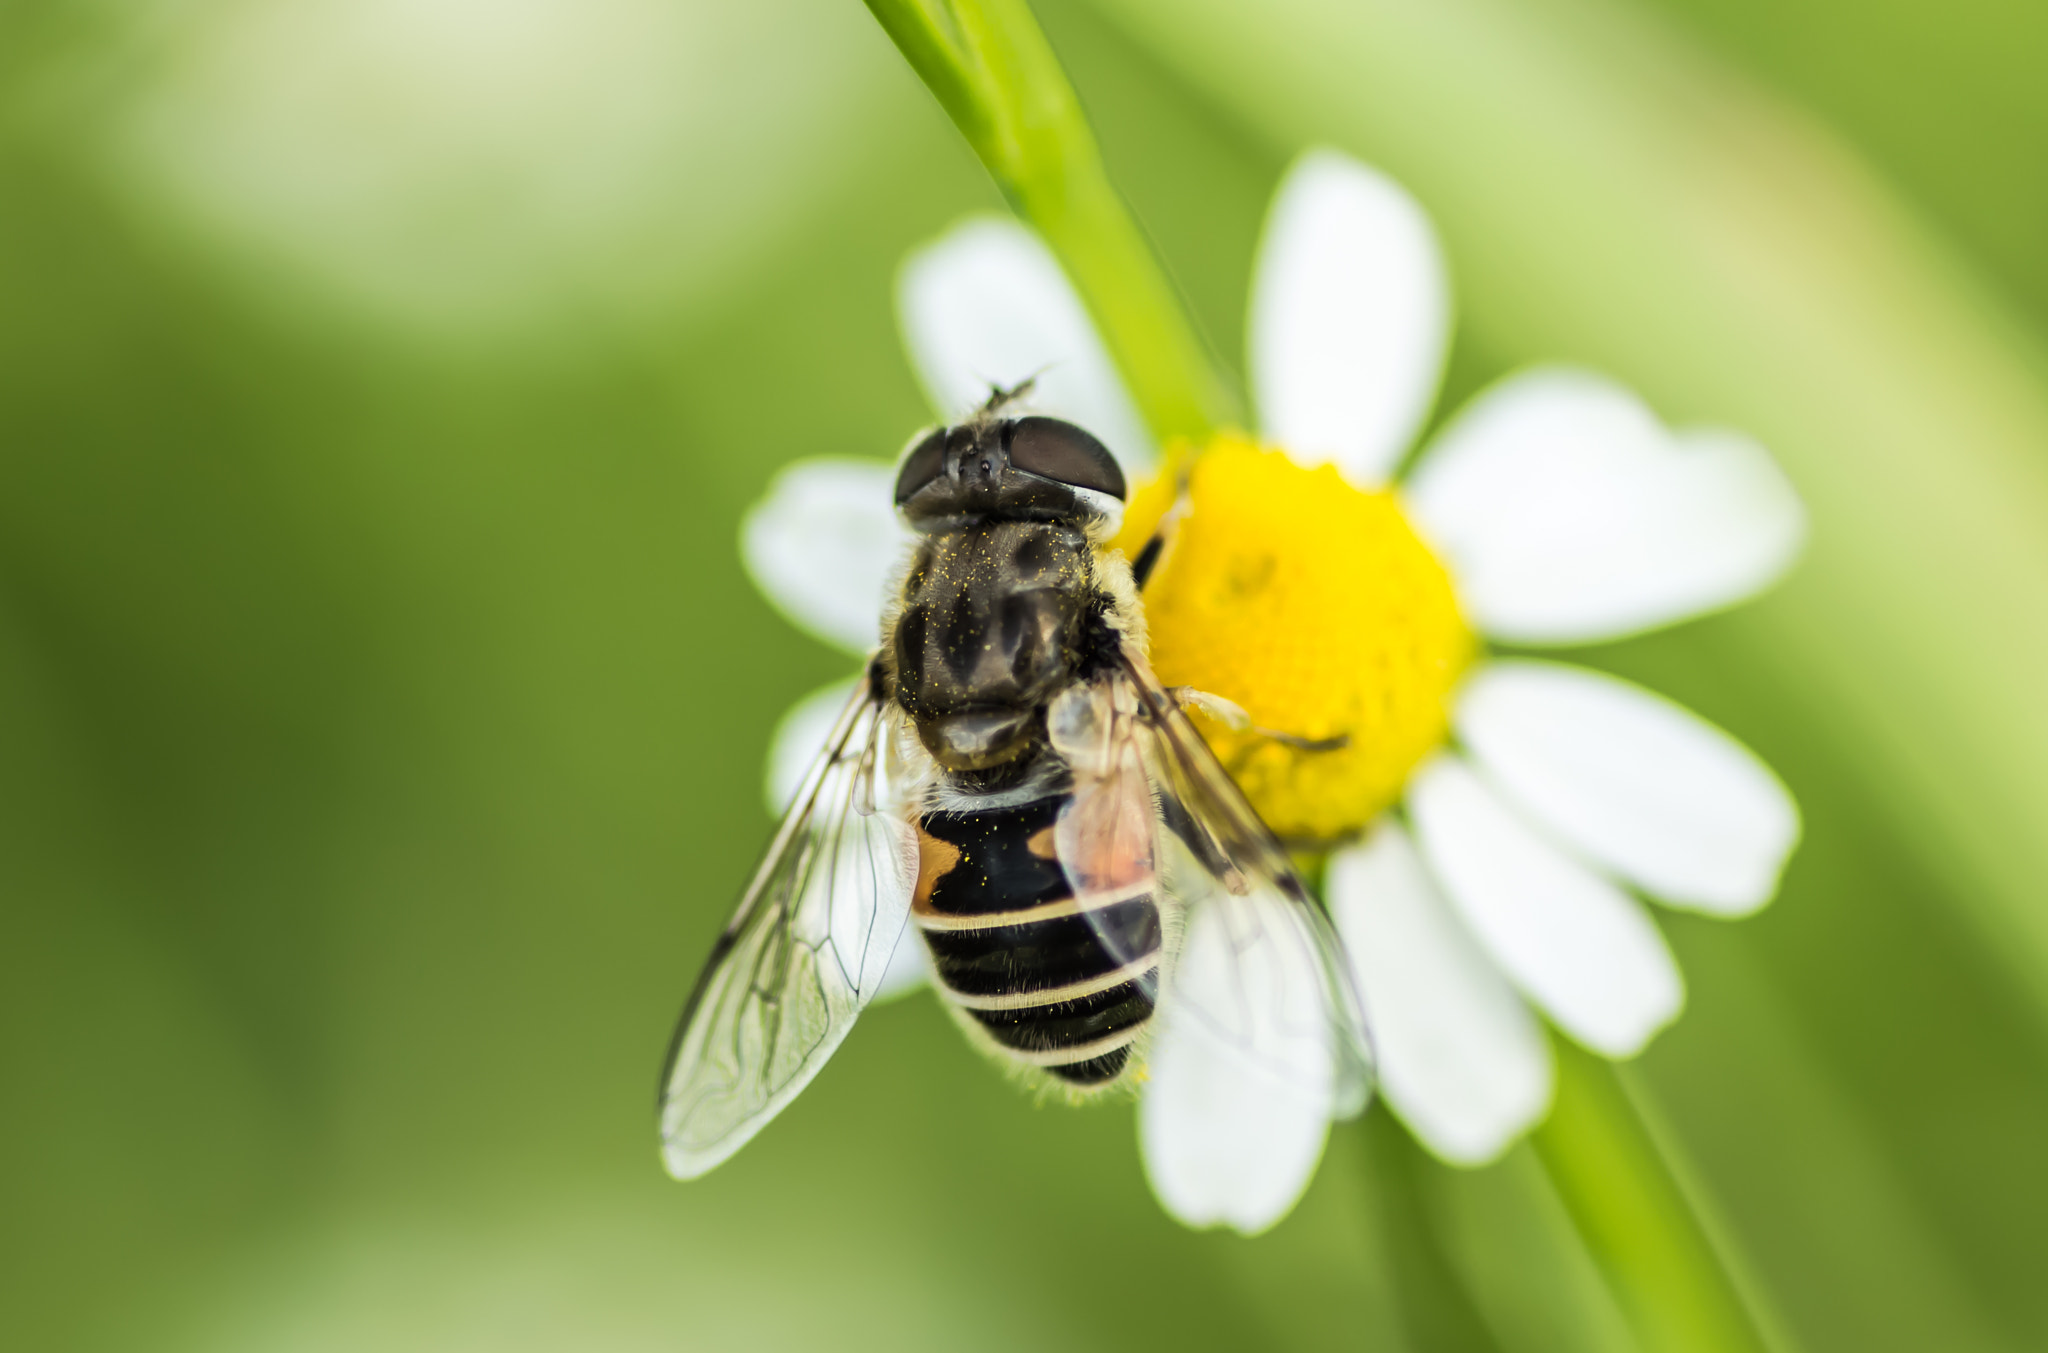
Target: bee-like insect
(1011, 781)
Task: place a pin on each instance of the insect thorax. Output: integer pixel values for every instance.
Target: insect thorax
(997, 617)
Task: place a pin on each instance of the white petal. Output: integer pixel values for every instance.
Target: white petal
(798, 739)
(1242, 1079)
(1632, 782)
(1568, 513)
(821, 546)
(986, 304)
(1350, 317)
(1460, 1057)
(1573, 942)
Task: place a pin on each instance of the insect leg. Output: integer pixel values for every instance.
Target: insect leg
(1232, 716)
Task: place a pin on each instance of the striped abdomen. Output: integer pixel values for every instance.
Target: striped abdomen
(1057, 985)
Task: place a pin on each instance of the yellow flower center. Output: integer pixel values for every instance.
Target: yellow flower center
(1316, 607)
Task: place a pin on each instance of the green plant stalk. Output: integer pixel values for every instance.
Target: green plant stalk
(989, 65)
(1632, 1212)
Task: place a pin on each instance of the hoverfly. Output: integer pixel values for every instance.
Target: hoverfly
(1012, 783)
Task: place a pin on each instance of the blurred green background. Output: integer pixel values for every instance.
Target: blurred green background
(382, 704)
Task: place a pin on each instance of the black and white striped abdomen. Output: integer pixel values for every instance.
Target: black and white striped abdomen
(1056, 986)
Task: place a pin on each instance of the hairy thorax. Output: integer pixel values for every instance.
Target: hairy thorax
(994, 623)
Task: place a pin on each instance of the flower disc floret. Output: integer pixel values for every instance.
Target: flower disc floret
(1315, 606)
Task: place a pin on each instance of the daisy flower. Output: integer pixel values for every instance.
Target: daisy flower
(1491, 823)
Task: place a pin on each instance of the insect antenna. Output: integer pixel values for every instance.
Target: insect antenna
(1000, 399)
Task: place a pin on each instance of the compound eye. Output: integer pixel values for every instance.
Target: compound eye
(924, 462)
(1065, 454)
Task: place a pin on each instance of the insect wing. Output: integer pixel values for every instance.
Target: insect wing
(1106, 836)
(1260, 985)
(806, 950)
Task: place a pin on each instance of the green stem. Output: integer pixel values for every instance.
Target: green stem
(993, 72)
(990, 67)
(1632, 1211)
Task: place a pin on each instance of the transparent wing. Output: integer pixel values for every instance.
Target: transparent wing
(807, 949)
(1260, 975)
(1106, 837)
